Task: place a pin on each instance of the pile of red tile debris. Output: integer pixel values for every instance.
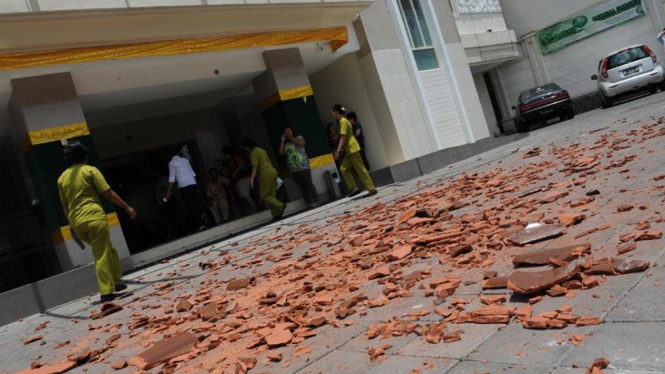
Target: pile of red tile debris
(418, 245)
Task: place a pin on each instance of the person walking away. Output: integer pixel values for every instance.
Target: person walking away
(181, 172)
(218, 203)
(267, 174)
(79, 187)
(240, 172)
(352, 157)
(298, 163)
(360, 136)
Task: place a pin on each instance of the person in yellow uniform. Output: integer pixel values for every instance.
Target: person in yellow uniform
(80, 186)
(352, 157)
(262, 166)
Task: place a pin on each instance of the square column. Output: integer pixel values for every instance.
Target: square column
(48, 108)
(286, 98)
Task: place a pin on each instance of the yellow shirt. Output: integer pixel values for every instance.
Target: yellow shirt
(258, 157)
(80, 186)
(346, 128)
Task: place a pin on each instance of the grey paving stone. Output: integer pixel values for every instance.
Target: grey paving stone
(473, 336)
(339, 362)
(644, 304)
(629, 346)
(467, 367)
(407, 365)
(517, 345)
(609, 370)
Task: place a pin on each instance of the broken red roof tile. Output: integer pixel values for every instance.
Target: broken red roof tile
(119, 365)
(164, 350)
(238, 284)
(569, 219)
(495, 283)
(649, 235)
(58, 368)
(527, 282)
(107, 309)
(543, 256)
(32, 339)
(537, 233)
(624, 208)
(400, 252)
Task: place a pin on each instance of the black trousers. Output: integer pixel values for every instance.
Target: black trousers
(193, 212)
(304, 181)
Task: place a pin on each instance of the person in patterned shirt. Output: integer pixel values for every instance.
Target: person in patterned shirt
(298, 163)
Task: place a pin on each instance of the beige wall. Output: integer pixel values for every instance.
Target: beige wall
(343, 83)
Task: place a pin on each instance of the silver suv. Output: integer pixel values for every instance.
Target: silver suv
(628, 70)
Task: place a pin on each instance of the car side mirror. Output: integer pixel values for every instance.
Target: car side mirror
(594, 77)
(514, 107)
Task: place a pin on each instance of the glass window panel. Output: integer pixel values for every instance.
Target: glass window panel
(423, 24)
(412, 24)
(426, 59)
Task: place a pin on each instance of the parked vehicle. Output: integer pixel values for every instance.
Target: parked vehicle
(542, 103)
(628, 70)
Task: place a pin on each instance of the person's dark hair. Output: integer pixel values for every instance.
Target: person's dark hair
(212, 170)
(339, 109)
(291, 128)
(176, 151)
(249, 143)
(75, 152)
(352, 116)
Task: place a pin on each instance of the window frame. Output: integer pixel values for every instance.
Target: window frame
(419, 25)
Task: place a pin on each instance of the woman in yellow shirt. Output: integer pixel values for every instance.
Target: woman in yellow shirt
(352, 157)
(80, 186)
(262, 166)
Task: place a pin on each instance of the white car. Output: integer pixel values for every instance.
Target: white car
(628, 70)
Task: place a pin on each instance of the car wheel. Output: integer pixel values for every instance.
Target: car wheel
(563, 117)
(571, 113)
(607, 102)
(653, 89)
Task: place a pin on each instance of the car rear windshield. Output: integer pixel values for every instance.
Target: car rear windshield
(626, 57)
(538, 91)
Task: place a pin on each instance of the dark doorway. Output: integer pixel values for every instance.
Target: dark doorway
(26, 252)
(142, 179)
(495, 102)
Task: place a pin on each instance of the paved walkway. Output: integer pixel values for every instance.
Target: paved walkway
(310, 248)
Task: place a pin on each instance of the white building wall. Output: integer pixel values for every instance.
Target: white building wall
(571, 67)
(342, 82)
(445, 115)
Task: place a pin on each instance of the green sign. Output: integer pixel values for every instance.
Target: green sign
(593, 20)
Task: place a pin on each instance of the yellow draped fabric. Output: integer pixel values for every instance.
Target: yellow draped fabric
(284, 95)
(22, 60)
(57, 133)
(321, 161)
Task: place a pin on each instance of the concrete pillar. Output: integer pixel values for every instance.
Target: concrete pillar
(48, 108)
(286, 98)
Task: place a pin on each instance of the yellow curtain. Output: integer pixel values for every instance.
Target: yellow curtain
(22, 60)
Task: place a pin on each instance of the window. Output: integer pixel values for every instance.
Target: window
(419, 36)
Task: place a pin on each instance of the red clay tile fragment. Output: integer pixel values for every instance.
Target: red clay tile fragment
(623, 249)
(165, 350)
(275, 357)
(649, 235)
(79, 356)
(588, 321)
(400, 252)
(527, 282)
(32, 339)
(58, 368)
(569, 219)
(107, 309)
(543, 256)
(118, 365)
(183, 306)
(279, 337)
(495, 283)
(623, 266)
(624, 208)
(537, 233)
(380, 273)
(460, 250)
(598, 365)
(238, 284)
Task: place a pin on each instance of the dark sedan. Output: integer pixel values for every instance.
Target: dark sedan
(541, 104)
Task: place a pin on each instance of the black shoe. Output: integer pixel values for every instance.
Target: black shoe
(120, 286)
(107, 298)
(355, 192)
(372, 192)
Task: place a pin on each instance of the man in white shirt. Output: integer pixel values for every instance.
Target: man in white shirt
(180, 171)
(661, 37)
